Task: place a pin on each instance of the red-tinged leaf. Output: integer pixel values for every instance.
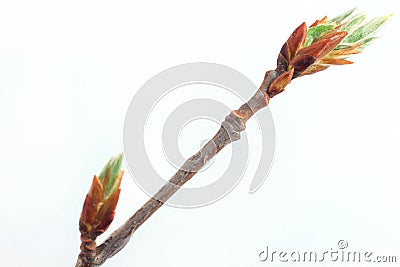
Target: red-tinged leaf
(315, 23)
(279, 84)
(318, 22)
(338, 27)
(314, 50)
(322, 47)
(335, 61)
(296, 40)
(89, 211)
(338, 53)
(119, 178)
(313, 69)
(106, 180)
(345, 52)
(292, 45)
(96, 191)
(335, 38)
(300, 63)
(111, 203)
(106, 212)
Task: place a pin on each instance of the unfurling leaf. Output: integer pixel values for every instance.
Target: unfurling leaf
(291, 46)
(319, 21)
(100, 203)
(300, 63)
(107, 212)
(307, 56)
(342, 17)
(325, 45)
(109, 174)
(327, 42)
(316, 32)
(96, 190)
(367, 41)
(335, 61)
(366, 30)
(313, 69)
(354, 22)
(351, 50)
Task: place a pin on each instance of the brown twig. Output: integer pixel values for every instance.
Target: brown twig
(299, 56)
(229, 132)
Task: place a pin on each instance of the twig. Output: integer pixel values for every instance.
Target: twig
(305, 52)
(230, 130)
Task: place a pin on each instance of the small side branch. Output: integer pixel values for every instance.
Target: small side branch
(305, 52)
(229, 132)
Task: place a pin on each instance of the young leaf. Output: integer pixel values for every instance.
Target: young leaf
(354, 22)
(291, 46)
(355, 49)
(367, 41)
(316, 32)
(335, 61)
(343, 46)
(322, 47)
(366, 30)
(105, 169)
(319, 21)
(109, 174)
(342, 17)
(114, 170)
(313, 69)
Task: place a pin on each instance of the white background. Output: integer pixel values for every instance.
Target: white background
(69, 69)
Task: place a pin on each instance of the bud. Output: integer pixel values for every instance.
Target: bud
(291, 47)
(99, 206)
(326, 43)
(279, 84)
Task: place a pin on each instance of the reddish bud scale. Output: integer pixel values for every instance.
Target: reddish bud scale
(300, 63)
(313, 69)
(294, 60)
(291, 46)
(279, 84)
(335, 61)
(310, 55)
(98, 210)
(346, 52)
(318, 22)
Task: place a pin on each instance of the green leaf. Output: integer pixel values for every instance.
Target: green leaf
(114, 170)
(366, 30)
(365, 42)
(316, 32)
(354, 22)
(343, 46)
(113, 166)
(342, 17)
(105, 170)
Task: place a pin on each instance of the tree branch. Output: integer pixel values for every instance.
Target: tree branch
(307, 51)
(229, 132)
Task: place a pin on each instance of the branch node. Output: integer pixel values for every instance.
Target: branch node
(233, 125)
